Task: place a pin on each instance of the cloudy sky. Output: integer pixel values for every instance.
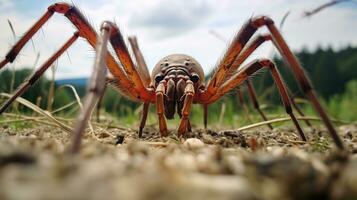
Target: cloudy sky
(173, 26)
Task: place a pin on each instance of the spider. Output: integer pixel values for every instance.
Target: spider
(177, 81)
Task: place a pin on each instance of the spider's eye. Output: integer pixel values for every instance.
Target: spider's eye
(195, 78)
(159, 78)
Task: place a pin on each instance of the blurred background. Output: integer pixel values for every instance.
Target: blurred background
(323, 38)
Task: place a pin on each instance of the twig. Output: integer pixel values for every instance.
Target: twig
(96, 86)
(218, 36)
(322, 7)
(282, 22)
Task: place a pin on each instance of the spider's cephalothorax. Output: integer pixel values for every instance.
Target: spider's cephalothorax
(177, 81)
(174, 70)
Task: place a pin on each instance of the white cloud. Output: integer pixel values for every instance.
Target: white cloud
(166, 27)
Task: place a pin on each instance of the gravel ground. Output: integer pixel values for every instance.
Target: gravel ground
(115, 164)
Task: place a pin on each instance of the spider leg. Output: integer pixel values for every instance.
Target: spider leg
(96, 87)
(253, 97)
(38, 73)
(160, 93)
(142, 67)
(11, 55)
(143, 118)
(189, 127)
(121, 50)
(303, 80)
(235, 48)
(246, 52)
(87, 32)
(189, 93)
(256, 42)
(243, 74)
(144, 73)
(224, 66)
(205, 115)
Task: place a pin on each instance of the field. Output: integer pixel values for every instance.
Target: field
(207, 164)
(229, 160)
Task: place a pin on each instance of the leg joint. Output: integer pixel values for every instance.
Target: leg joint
(62, 7)
(261, 21)
(266, 63)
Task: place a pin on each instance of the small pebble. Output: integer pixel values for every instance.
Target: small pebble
(193, 143)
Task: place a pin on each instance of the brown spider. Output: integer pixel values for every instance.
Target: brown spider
(177, 81)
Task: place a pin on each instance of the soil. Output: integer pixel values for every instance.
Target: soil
(207, 164)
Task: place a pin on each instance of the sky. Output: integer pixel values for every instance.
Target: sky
(166, 27)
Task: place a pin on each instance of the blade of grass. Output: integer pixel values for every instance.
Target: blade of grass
(64, 107)
(38, 110)
(51, 91)
(75, 93)
(285, 119)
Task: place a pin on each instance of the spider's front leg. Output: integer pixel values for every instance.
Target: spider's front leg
(189, 93)
(160, 108)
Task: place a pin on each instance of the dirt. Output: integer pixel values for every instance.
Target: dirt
(115, 164)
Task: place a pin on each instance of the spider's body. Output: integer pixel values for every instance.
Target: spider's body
(174, 70)
(177, 81)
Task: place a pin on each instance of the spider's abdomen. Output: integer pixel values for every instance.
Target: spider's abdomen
(175, 70)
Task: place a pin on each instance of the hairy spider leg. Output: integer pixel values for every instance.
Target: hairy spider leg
(86, 31)
(247, 51)
(142, 67)
(235, 48)
(38, 73)
(121, 50)
(144, 73)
